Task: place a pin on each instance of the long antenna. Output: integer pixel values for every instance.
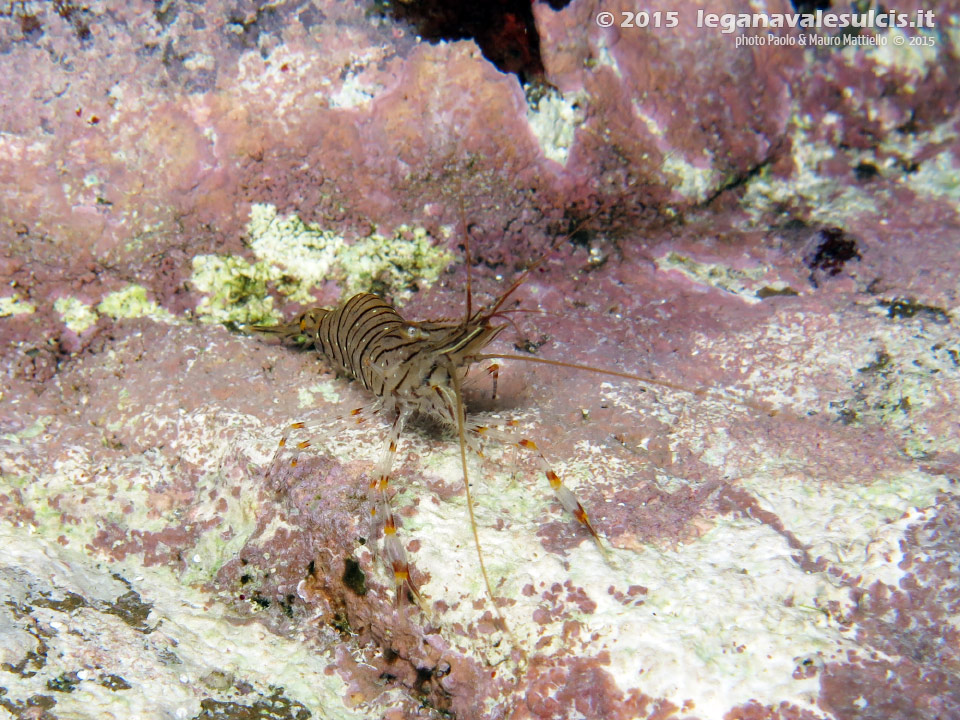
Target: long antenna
(466, 252)
(461, 421)
(699, 392)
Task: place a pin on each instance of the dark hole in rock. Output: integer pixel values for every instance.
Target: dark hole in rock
(865, 171)
(503, 29)
(353, 577)
(810, 6)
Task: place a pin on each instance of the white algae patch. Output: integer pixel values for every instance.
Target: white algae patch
(133, 302)
(76, 314)
(554, 122)
(130, 302)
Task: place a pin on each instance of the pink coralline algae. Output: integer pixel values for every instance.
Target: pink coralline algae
(769, 231)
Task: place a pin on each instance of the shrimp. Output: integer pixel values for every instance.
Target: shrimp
(410, 368)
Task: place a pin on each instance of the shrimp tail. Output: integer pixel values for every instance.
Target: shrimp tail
(300, 331)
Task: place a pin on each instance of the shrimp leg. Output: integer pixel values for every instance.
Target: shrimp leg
(381, 513)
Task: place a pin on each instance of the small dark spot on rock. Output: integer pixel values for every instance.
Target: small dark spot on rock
(261, 601)
(132, 610)
(810, 6)
(875, 287)
(32, 662)
(27, 708)
(276, 707)
(424, 675)
(910, 166)
(848, 416)
(794, 224)
(905, 308)
(766, 292)
(865, 171)
(166, 13)
(529, 346)
(66, 683)
(78, 17)
(341, 624)
(580, 238)
(71, 601)
(114, 682)
(30, 27)
(882, 361)
(911, 126)
(245, 578)
(168, 657)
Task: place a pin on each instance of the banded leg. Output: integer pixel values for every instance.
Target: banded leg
(494, 371)
(563, 494)
(380, 512)
(357, 415)
(478, 434)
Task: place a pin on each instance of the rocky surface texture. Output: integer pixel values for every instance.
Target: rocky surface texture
(773, 227)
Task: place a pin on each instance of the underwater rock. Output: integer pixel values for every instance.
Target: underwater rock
(772, 227)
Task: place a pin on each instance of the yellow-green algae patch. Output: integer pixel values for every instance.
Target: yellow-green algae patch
(132, 302)
(13, 305)
(294, 258)
(38, 426)
(930, 175)
(236, 290)
(76, 314)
